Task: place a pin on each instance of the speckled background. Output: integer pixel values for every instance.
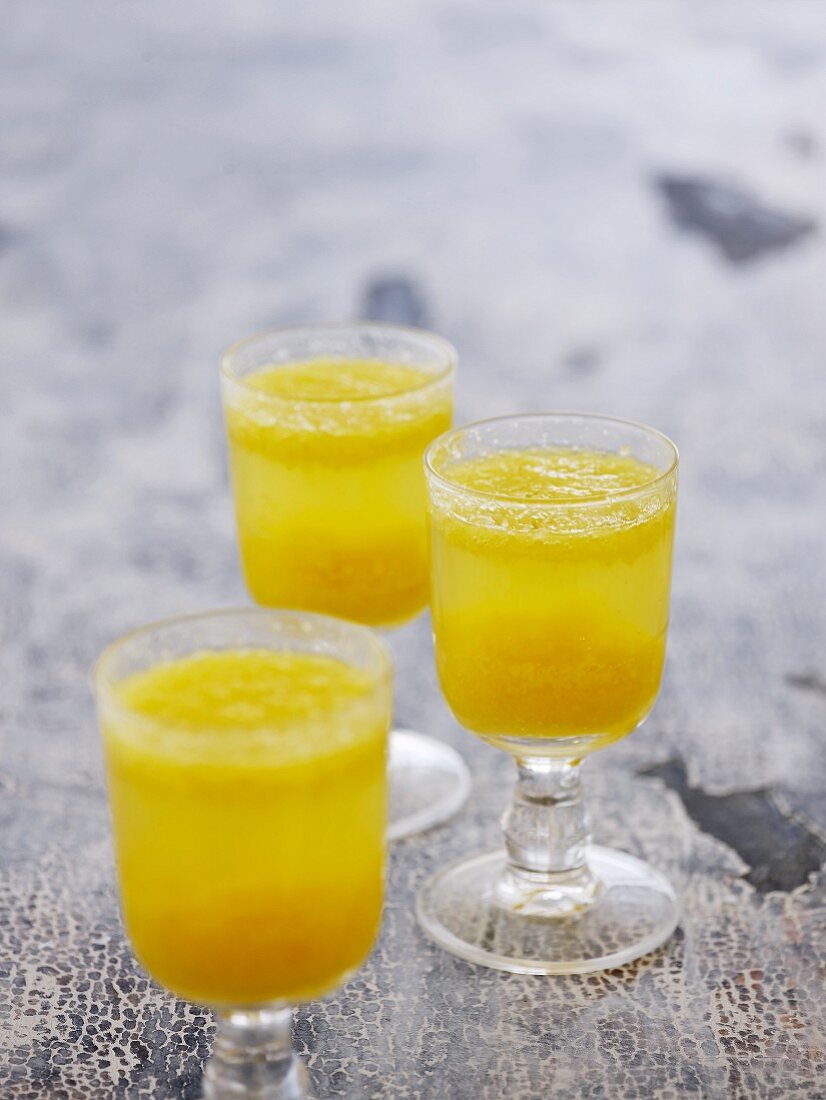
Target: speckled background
(607, 206)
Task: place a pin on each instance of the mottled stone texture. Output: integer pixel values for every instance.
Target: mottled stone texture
(177, 175)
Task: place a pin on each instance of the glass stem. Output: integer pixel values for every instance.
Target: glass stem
(253, 1057)
(546, 837)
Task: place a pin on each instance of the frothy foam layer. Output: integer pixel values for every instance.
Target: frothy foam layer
(336, 410)
(331, 379)
(235, 705)
(552, 474)
(542, 493)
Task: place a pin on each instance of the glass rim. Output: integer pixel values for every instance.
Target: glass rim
(447, 353)
(380, 652)
(571, 502)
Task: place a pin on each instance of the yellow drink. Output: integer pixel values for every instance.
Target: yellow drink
(326, 461)
(551, 579)
(248, 800)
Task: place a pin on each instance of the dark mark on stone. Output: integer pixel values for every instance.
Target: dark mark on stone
(780, 849)
(807, 681)
(582, 361)
(395, 299)
(802, 142)
(98, 333)
(8, 237)
(741, 226)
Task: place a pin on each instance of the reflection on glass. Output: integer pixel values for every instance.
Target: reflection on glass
(551, 556)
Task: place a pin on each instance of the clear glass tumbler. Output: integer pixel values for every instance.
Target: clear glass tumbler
(327, 426)
(246, 766)
(551, 541)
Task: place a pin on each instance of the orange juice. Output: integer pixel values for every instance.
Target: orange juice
(248, 800)
(326, 461)
(551, 581)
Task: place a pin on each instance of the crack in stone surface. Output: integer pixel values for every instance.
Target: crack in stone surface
(740, 225)
(779, 848)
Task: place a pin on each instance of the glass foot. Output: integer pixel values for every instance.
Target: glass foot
(429, 782)
(608, 914)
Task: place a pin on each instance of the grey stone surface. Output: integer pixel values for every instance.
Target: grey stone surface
(177, 175)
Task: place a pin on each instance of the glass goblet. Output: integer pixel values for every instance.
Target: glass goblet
(551, 540)
(246, 765)
(327, 425)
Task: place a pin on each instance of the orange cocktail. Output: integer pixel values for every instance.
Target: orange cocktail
(327, 426)
(550, 608)
(551, 538)
(326, 460)
(247, 780)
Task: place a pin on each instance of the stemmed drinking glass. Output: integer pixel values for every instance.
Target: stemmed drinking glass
(551, 542)
(327, 426)
(246, 765)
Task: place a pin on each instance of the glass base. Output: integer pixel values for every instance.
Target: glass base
(609, 913)
(429, 782)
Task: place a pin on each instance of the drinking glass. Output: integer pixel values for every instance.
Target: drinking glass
(246, 765)
(551, 541)
(327, 426)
